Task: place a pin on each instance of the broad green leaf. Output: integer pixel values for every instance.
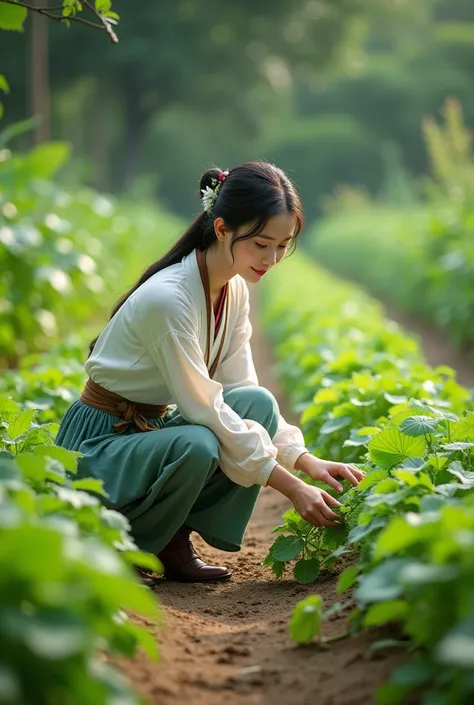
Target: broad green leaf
(466, 477)
(413, 479)
(305, 621)
(391, 499)
(362, 531)
(278, 568)
(103, 5)
(46, 159)
(407, 477)
(286, 548)
(114, 519)
(325, 396)
(32, 468)
(438, 461)
(12, 17)
(462, 430)
(397, 537)
(293, 520)
(145, 639)
(76, 498)
(371, 479)
(63, 456)
(53, 634)
(334, 536)
(386, 486)
(449, 489)
(419, 425)
(21, 423)
(335, 424)
(384, 612)
(458, 445)
(90, 484)
(382, 583)
(415, 463)
(347, 578)
(390, 447)
(306, 570)
(398, 418)
(368, 430)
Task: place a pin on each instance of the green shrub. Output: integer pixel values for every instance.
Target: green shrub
(368, 397)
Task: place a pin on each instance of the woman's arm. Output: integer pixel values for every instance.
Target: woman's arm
(237, 369)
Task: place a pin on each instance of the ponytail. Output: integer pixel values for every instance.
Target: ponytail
(197, 236)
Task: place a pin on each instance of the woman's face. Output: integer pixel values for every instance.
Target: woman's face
(256, 256)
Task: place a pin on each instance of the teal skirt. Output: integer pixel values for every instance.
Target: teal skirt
(163, 479)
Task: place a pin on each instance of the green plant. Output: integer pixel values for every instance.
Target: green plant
(408, 528)
(424, 253)
(65, 575)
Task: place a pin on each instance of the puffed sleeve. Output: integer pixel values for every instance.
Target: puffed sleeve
(247, 454)
(237, 369)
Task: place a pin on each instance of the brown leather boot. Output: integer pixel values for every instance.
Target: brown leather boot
(183, 565)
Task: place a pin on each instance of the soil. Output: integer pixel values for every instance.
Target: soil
(230, 642)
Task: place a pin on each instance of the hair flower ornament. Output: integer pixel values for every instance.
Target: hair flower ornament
(209, 194)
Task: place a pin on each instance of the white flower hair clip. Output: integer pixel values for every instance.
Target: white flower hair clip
(209, 194)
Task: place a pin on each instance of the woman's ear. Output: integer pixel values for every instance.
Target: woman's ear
(220, 229)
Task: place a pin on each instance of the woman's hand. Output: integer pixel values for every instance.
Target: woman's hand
(327, 471)
(314, 505)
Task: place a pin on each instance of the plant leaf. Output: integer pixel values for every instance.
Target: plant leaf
(305, 621)
(306, 570)
(390, 447)
(286, 548)
(418, 425)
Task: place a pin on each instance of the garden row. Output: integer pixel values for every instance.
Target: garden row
(417, 249)
(65, 559)
(64, 255)
(407, 532)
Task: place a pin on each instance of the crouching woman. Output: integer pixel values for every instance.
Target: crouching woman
(172, 417)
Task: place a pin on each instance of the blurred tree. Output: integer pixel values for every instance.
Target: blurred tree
(13, 16)
(408, 71)
(207, 57)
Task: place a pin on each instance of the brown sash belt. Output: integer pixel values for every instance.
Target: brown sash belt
(131, 412)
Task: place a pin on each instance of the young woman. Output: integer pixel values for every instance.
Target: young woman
(172, 417)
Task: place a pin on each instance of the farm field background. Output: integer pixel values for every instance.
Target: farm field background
(377, 610)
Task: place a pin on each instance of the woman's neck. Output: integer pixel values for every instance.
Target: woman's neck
(218, 270)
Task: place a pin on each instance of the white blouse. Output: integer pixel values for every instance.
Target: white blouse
(153, 351)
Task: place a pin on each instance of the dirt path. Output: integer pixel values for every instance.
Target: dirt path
(214, 632)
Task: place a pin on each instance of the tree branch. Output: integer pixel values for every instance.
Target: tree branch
(104, 26)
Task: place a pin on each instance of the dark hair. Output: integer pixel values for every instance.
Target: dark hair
(252, 192)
